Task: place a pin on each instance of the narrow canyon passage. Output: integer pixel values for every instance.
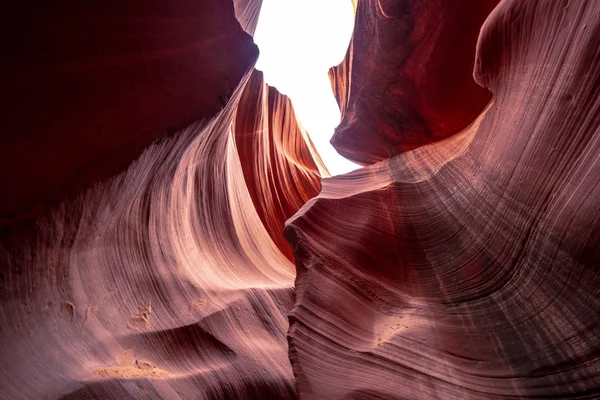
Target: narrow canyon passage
(166, 231)
(299, 41)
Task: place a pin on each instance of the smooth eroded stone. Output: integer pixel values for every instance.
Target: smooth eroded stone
(407, 79)
(87, 86)
(160, 283)
(468, 268)
(276, 156)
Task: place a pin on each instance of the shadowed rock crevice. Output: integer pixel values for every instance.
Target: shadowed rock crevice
(167, 232)
(464, 275)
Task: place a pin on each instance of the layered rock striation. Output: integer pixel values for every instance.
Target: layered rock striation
(466, 268)
(164, 281)
(149, 173)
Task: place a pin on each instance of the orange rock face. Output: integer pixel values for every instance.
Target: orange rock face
(460, 263)
(276, 157)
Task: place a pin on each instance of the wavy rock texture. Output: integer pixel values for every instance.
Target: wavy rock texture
(247, 13)
(88, 86)
(277, 157)
(407, 77)
(161, 283)
(466, 268)
(166, 281)
(462, 263)
(165, 272)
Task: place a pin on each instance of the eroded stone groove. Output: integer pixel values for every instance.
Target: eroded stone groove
(466, 268)
(144, 255)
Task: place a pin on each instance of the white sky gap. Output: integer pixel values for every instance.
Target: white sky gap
(299, 40)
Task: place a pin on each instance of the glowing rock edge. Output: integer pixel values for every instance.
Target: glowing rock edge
(169, 231)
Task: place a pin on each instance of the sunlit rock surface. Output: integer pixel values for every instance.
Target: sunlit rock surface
(276, 157)
(161, 283)
(142, 255)
(247, 13)
(165, 281)
(467, 268)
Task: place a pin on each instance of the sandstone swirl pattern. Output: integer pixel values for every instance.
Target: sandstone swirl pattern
(147, 256)
(467, 268)
(165, 272)
(162, 282)
(87, 87)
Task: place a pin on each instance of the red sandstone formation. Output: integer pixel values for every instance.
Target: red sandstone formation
(160, 283)
(461, 263)
(276, 157)
(407, 79)
(466, 268)
(247, 12)
(87, 86)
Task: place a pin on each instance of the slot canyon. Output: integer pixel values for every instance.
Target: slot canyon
(169, 228)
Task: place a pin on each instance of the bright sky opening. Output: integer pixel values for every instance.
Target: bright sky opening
(299, 40)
